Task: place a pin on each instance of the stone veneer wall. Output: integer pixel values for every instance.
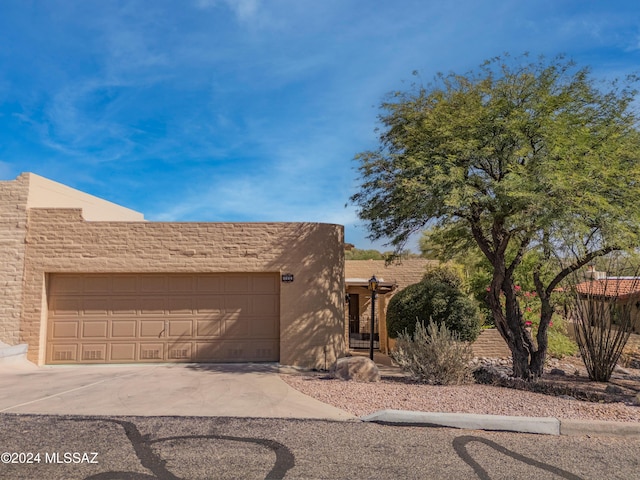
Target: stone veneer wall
(13, 220)
(311, 308)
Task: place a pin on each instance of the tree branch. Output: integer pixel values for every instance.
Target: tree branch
(576, 265)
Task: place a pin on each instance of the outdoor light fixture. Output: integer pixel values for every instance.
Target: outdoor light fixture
(373, 286)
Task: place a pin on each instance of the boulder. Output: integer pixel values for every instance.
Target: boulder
(360, 369)
(623, 371)
(614, 389)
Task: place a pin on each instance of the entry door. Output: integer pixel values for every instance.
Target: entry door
(354, 313)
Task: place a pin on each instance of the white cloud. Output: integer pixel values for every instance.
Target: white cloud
(244, 10)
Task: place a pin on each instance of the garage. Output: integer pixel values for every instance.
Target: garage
(147, 318)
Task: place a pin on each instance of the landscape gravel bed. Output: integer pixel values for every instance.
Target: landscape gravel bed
(396, 393)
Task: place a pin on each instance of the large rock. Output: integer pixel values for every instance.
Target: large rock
(360, 369)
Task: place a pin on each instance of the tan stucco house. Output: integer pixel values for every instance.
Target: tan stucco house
(87, 281)
(392, 278)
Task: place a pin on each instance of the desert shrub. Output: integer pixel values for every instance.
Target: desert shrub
(604, 316)
(434, 355)
(603, 325)
(630, 357)
(560, 344)
(437, 297)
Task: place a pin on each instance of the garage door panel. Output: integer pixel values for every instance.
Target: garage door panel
(153, 283)
(264, 305)
(236, 284)
(95, 306)
(265, 327)
(209, 304)
(124, 284)
(180, 305)
(263, 351)
(180, 328)
(94, 352)
(63, 329)
(180, 352)
(235, 326)
(66, 306)
(236, 351)
(267, 284)
(237, 304)
(151, 328)
(209, 284)
(151, 352)
(63, 353)
(102, 318)
(122, 352)
(180, 283)
(209, 352)
(96, 284)
(123, 328)
(152, 305)
(208, 328)
(95, 329)
(124, 306)
(67, 284)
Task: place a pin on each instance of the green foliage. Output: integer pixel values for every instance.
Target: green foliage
(468, 261)
(560, 344)
(437, 297)
(357, 254)
(533, 162)
(434, 355)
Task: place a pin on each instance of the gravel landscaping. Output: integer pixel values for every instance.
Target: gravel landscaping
(398, 392)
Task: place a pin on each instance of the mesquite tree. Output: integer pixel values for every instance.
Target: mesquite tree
(519, 158)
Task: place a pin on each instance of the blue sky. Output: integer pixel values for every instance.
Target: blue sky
(251, 110)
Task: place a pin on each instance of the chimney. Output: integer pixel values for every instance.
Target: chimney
(593, 274)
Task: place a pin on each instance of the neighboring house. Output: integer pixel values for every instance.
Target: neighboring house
(392, 278)
(87, 281)
(622, 290)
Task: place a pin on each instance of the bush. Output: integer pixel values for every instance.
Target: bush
(439, 298)
(434, 355)
(560, 344)
(603, 324)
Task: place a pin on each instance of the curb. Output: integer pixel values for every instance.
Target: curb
(538, 425)
(599, 427)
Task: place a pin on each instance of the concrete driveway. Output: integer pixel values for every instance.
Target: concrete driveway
(229, 390)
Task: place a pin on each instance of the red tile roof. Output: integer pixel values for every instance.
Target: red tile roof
(611, 287)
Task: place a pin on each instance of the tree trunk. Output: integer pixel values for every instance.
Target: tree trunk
(509, 322)
(540, 355)
(521, 346)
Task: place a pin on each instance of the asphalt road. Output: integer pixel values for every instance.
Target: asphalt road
(109, 448)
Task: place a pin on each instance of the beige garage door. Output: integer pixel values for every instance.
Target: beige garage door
(116, 318)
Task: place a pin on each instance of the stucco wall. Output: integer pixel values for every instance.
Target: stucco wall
(13, 220)
(402, 273)
(312, 307)
(45, 193)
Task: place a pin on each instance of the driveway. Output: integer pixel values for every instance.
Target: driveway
(229, 390)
